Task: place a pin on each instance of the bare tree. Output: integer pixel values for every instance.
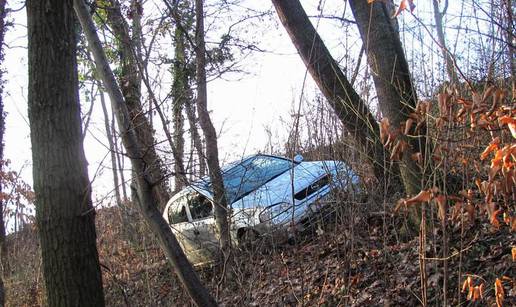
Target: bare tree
(147, 200)
(350, 109)
(112, 150)
(180, 91)
(130, 83)
(396, 94)
(64, 211)
(212, 152)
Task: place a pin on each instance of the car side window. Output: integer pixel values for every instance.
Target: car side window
(200, 207)
(177, 216)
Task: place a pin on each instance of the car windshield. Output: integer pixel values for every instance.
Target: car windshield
(243, 177)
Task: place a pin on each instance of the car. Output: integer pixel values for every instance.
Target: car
(268, 196)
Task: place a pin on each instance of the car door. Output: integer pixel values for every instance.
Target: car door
(203, 241)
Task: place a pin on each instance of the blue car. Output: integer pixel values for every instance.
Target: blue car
(268, 196)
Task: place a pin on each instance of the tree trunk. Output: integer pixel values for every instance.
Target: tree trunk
(111, 148)
(119, 159)
(147, 199)
(448, 61)
(180, 97)
(396, 95)
(350, 109)
(210, 135)
(196, 137)
(64, 212)
(130, 83)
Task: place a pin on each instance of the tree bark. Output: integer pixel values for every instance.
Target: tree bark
(64, 212)
(180, 97)
(130, 83)
(147, 199)
(396, 95)
(212, 152)
(350, 109)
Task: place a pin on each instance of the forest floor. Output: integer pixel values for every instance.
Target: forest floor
(357, 258)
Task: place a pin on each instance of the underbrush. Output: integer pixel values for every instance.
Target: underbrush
(352, 257)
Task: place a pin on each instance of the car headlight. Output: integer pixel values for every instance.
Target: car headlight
(272, 213)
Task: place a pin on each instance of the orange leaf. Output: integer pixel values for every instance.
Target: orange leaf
(492, 147)
(403, 6)
(499, 293)
(514, 253)
(467, 284)
(470, 293)
(476, 293)
(510, 122)
(494, 218)
(384, 129)
(423, 196)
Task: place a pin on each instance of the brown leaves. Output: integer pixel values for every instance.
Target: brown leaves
(510, 122)
(427, 196)
(389, 138)
(475, 293)
(387, 134)
(493, 146)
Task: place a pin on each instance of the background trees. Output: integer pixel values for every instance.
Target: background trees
(64, 212)
(147, 199)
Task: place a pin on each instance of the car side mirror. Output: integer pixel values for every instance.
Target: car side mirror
(298, 158)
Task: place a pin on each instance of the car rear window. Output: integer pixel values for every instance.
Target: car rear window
(251, 173)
